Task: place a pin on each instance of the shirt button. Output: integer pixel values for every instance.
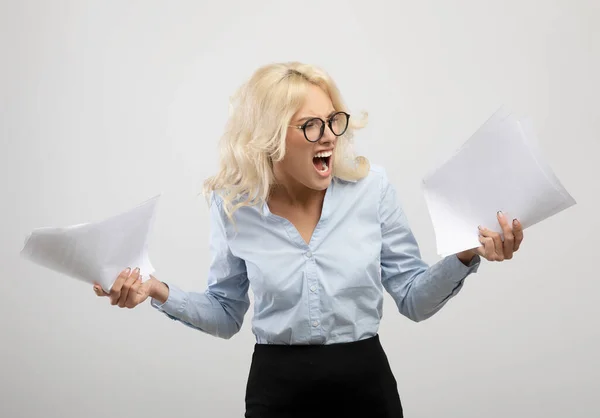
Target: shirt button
(308, 254)
(313, 288)
(315, 323)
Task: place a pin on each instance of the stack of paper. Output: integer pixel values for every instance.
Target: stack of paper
(96, 252)
(499, 168)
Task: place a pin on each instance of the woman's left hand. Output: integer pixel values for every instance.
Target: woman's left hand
(493, 247)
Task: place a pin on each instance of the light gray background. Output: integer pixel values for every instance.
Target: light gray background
(105, 103)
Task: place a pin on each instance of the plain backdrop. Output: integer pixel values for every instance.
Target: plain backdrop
(103, 104)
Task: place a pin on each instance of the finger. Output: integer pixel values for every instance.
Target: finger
(480, 250)
(135, 293)
(496, 242)
(518, 233)
(99, 291)
(509, 239)
(115, 290)
(489, 252)
(126, 289)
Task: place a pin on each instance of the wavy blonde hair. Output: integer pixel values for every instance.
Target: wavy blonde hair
(255, 133)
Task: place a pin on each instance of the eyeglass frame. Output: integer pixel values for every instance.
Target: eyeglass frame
(323, 123)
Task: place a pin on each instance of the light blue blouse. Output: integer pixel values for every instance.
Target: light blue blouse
(327, 291)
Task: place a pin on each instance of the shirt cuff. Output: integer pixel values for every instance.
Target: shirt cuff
(175, 304)
(467, 269)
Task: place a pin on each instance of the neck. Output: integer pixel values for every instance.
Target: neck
(297, 195)
(302, 198)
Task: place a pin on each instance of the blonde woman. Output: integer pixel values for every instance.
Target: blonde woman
(318, 234)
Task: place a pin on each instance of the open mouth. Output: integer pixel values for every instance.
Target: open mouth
(322, 162)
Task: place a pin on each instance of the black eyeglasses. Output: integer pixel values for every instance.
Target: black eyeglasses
(314, 128)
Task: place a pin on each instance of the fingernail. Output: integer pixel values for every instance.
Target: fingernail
(127, 270)
(500, 213)
(515, 222)
(480, 227)
(137, 270)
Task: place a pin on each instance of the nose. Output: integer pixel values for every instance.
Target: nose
(328, 136)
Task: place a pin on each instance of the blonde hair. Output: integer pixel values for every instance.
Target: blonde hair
(256, 131)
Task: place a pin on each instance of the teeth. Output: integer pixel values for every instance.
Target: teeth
(324, 154)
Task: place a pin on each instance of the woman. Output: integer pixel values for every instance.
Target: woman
(319, 235)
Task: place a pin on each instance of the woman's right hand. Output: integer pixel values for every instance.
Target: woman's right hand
(128, 291)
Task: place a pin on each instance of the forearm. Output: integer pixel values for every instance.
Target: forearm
(430, 289)
(202, 311)
(466, 257)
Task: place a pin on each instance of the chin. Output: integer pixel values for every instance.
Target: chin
(321, 181)
(321, 184)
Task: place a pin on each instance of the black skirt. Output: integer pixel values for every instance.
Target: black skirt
(312, 381)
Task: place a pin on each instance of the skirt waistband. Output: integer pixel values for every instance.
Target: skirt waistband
(360, 344)
(319, 352)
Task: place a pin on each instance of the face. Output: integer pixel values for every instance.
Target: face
(308, 164)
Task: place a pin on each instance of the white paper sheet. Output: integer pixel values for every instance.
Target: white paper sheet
(499, 168)
(96, 252)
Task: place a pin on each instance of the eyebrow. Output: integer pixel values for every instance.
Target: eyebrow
(305, 118)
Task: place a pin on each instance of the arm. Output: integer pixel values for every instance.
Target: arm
(419, 290)
(219, 310)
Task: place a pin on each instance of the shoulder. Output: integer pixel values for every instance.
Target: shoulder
(376, 181)
(232, 214)
(215, 206)
(372, 194)
(218, 201)
(220, 209)
(378, 175)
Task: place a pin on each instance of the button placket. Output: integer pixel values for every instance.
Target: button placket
(314, 302)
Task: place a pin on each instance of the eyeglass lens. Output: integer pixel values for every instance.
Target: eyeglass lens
(315, 128)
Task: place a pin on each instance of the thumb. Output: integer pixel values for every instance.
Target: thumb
(99, 291)
(146, 287)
